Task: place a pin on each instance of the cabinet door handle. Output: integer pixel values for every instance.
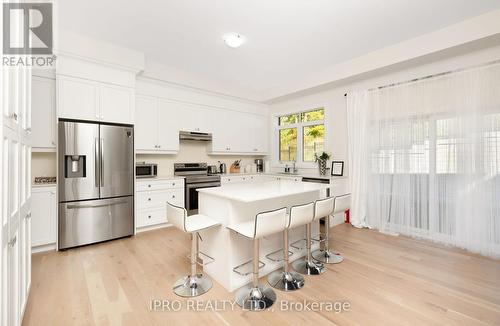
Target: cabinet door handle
(149, 216)
(28, 215)
(53, 143)
(149, 186)
(14, 116)
(13, 241)
(173, 183)
(173, 196)
(149, 199)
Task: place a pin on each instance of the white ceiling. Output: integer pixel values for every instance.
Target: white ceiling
(286, 39)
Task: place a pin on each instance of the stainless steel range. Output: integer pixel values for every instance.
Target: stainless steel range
(196, 177)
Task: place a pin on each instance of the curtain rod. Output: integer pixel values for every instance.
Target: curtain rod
(432, 76)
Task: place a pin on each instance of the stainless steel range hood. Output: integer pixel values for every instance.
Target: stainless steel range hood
(192, 135)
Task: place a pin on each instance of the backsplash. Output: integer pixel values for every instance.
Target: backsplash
(192, 152)
(43, 165)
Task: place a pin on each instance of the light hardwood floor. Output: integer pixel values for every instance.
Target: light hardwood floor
(387, 280)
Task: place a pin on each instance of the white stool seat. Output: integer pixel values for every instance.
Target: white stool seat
(198, 222)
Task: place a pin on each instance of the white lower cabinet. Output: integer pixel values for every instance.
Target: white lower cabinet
(151, 200)
(43, 216)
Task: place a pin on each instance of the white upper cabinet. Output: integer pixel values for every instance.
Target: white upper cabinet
(168, 130)
(117, 104)
(11, 104)
(77, 98)
(239, 132)
(146, 126)
(156, 125)
(195, 118)
(237, 128)
(43, 110)
(259, 130)
(90, 100)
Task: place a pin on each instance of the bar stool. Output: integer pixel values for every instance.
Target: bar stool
(289, 280)
(257, 297)
(325, 208)
(194, 284)
(307, 266)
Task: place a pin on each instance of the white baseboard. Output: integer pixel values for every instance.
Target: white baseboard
(152, 227)
(43, 248)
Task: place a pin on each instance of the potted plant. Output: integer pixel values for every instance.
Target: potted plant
(322, 159)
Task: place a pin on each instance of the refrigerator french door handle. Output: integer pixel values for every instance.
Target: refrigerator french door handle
(96, 162)
(79, 206)
(102, 162)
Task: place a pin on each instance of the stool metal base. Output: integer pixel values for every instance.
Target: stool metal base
(286, 281)
(308, 267)
(255, 298)
(327, 257)
(192, 286)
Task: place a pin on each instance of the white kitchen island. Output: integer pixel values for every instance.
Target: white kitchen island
(236, 203)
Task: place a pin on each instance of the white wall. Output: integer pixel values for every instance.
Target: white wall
(334, 101)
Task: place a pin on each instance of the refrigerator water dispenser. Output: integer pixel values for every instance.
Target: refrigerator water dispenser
(74, 166)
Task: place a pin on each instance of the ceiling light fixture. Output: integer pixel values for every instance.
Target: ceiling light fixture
(234, 40)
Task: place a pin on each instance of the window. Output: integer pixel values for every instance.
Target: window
(446, 145)
(301, 135)
(491, 144)
(403, 147)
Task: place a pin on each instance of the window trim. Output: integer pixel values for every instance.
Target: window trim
(276, 163)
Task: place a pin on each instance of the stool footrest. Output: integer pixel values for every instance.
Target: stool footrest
(278, 255)
(247, 268)
(202, 259)
(319, 238)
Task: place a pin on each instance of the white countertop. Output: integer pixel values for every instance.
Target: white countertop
(263, 190)
(43, 185)
(289, 175)
(160, 177)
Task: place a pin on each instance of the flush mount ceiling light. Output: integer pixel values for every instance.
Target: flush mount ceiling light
(234, 40)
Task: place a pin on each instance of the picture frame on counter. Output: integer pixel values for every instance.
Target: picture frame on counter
(337, 168)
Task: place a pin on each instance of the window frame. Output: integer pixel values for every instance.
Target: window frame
(299, 163)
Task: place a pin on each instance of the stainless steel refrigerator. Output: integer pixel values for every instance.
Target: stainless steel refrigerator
(95, 182)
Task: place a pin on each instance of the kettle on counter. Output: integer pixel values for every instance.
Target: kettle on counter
(223, 168)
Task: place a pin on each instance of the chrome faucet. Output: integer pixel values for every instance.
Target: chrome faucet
(287, 168)
(294, 168)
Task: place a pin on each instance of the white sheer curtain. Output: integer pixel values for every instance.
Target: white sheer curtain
(425, 159)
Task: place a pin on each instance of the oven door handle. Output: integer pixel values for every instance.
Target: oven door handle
(203, 185)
